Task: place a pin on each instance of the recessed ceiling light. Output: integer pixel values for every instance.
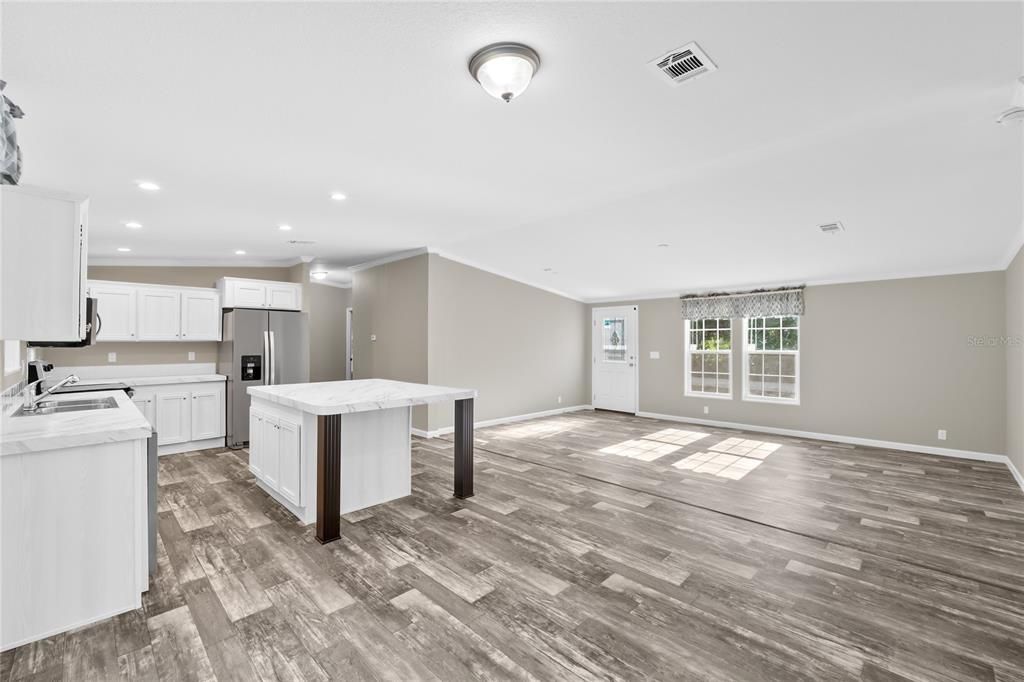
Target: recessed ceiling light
(123, 249)
(504, 70)
(239, 252)
(284, 227)
(133, 225)
(148, 186)
(338, 196)
(319, 274)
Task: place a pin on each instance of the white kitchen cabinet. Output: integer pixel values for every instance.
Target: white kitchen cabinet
(283, 297)
(117, 311)
(174, 417)
(207, 413)
(275, 454)
(258, 293)
(200, 315)
(43, 246)
(256, 420)
(159, 314)
(270, 451)
(147, 406)
(289, 451)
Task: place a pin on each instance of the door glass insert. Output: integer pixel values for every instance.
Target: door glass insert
(613, 335)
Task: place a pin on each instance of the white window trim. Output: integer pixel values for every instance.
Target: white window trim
(687, 376)
(745, 396)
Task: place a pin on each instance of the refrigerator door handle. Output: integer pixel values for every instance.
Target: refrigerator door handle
(273, 360)
(267, 377)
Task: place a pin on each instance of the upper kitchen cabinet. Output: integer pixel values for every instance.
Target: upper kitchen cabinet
(150, 312)
(43, 242)
(257, 293)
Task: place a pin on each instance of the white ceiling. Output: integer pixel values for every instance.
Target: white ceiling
(249, 114)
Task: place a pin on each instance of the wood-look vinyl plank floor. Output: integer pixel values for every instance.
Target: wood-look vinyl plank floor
(598, 546)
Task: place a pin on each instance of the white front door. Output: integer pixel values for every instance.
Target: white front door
(615, 353)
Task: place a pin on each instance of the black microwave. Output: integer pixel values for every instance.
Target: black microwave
(92, 328)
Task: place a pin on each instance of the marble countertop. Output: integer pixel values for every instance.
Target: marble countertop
(153, 381)
(36, 433)
(360, 395)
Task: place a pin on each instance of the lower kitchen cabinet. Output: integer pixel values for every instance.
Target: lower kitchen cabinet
(275, 452)
(186, 417)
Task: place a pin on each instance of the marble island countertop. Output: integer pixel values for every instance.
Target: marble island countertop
(36, 433)
(359, 395)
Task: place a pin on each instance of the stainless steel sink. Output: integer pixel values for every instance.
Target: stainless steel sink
(61, 406)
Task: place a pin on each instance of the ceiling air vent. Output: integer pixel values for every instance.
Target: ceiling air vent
(684, 63)
(300, 242)
(832, 228)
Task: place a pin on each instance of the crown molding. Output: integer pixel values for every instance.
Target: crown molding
(196, 262)
(401, 255)
(336, 285)
(504, 275)
(1015, 248)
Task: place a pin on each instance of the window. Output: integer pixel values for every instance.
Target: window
(12, 357)
(708, 355)
(771, 359)
(613, 337)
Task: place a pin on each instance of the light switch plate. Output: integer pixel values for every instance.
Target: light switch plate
(655, 355)
(707, 410)
(111, 357)
(191, 355)
(942, 434)
(373, 337)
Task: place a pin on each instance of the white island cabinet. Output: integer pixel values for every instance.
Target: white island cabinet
(330, 448)
(74, 531)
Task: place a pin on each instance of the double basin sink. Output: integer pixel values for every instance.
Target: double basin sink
(62, 406)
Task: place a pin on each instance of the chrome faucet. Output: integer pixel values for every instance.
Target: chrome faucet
(31, 401)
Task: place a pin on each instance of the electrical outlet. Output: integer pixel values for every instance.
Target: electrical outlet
(655, 355)
(707, 410)
(942, 434)
(191, 355)
(373, 337)
(559, 400)
(111, 357)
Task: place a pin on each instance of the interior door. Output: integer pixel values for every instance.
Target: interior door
(615, 352)
(289, 348)
(159, 315)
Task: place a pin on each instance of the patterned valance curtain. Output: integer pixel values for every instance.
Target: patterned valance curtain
(763, 303)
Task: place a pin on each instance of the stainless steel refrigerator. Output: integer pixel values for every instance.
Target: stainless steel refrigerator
(260, 348)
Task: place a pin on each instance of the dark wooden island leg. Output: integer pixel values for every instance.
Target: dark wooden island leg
(464, 448)
(328, 478)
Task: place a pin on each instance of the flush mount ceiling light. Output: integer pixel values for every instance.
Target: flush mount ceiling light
(338, 196)
(239, 252)
(133, 225)
(148, 186)
(1015, 112)
(319, 274)
(284, 228)
(123, 249)
(504, 70)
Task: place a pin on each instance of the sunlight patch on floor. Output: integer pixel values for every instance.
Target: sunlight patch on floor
(540, 429)
(676, 436)
(718, 464)
(745, 447)
(644, 450)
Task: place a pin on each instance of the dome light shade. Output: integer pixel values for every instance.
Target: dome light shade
(504, 70)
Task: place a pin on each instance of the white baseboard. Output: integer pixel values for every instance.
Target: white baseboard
(500, 420)
(851, 440)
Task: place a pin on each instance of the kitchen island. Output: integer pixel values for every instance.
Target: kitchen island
(326, 449)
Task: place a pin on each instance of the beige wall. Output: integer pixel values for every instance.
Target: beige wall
(157, 353)
(520, 346)
(326, 306)
(929, 376)
(1015, 361)
(390, 301)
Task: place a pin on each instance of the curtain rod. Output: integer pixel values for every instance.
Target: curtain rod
(742, 293)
